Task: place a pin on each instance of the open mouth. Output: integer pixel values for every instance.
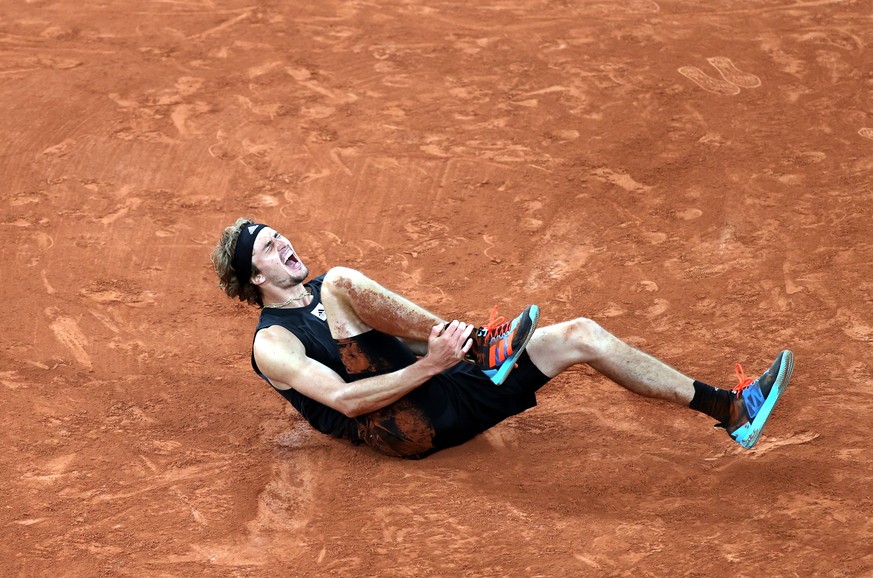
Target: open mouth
(289, 258)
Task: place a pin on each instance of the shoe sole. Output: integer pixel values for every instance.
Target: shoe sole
(501, 373)
(747, 435)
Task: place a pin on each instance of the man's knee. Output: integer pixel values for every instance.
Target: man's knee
(340, 279)
(588, 337)
(557, 347)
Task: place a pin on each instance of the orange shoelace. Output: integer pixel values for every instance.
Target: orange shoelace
(744, 381)
(496, 324)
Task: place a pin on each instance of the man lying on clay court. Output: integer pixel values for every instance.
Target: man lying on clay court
(364, 364)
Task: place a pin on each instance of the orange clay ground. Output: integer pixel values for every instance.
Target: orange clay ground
(695, 176)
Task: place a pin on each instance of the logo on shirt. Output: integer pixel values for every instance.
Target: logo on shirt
(319, 312)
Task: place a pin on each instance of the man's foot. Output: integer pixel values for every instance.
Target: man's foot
(497, 345)
(754, 400)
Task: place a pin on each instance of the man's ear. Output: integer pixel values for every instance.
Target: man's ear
(258, 279)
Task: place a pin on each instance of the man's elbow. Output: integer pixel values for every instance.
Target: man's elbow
(352, 411)
(349, 407)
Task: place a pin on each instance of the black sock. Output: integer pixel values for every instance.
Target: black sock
(712, 401)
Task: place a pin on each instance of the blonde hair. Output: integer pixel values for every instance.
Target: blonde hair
(222, 264)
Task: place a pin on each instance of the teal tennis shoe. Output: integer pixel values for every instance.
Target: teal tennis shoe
(754, 400)
(498, 345)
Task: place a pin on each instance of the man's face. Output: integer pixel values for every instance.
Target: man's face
(276, 259)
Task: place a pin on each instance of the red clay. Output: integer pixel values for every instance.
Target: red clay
(694, 176)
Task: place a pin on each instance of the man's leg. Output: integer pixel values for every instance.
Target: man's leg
(742, 412)
(355, 304)
(557, 347)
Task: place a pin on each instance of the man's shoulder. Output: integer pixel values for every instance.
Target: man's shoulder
(275, 331)
(273, 335)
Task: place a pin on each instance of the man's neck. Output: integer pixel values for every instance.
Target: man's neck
(292, 297)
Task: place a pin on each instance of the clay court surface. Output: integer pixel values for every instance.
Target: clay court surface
(696, 176)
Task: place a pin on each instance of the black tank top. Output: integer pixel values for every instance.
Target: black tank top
(309, 325)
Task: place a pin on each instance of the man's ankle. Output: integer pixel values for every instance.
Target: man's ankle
(712, 401)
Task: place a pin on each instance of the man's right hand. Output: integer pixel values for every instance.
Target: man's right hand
(448, 344)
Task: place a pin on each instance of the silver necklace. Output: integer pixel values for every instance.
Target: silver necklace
(289, 300)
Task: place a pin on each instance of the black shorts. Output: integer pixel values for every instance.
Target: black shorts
(447, 410)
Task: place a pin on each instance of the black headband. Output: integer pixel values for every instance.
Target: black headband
(242, 253)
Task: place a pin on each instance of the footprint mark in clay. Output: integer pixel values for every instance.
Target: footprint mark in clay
(709, 83)
(733, 79)
(733, 74)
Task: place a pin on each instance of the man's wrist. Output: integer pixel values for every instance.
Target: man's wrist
(427, 367)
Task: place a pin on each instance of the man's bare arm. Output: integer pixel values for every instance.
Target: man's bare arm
(281, 357)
